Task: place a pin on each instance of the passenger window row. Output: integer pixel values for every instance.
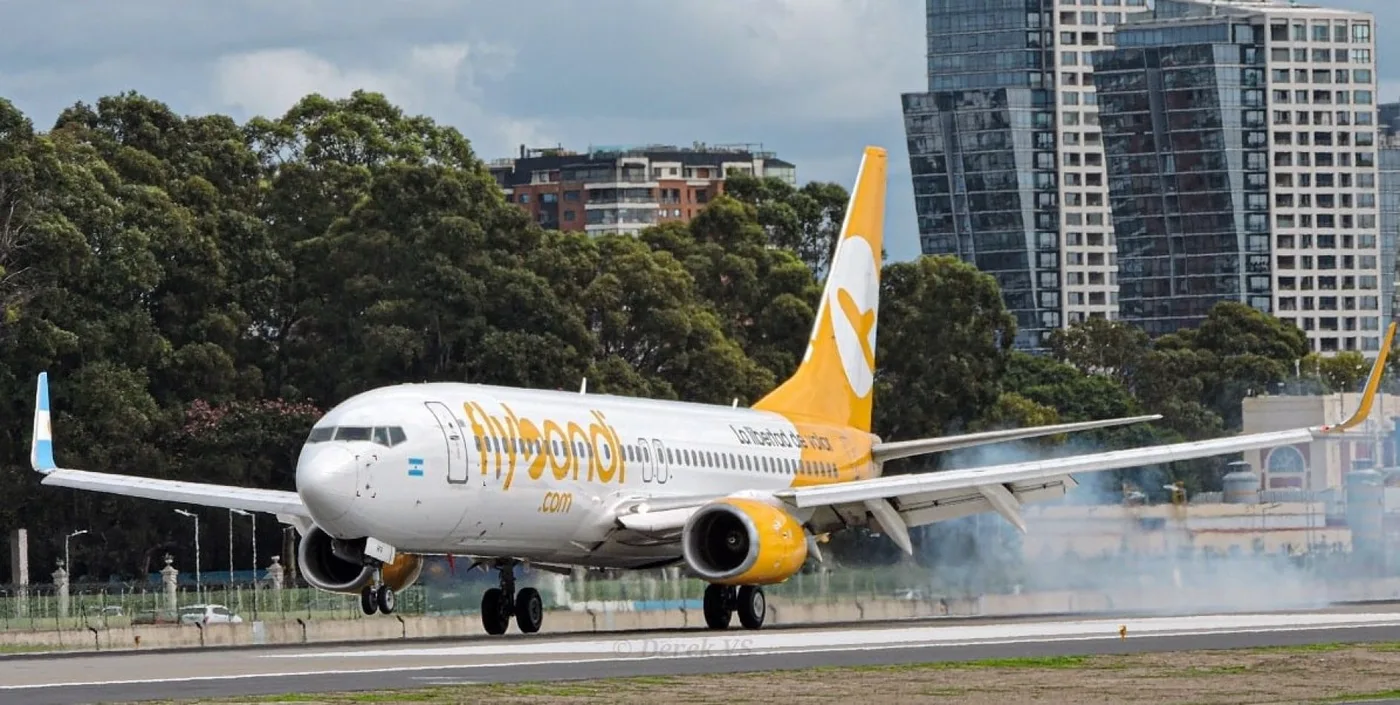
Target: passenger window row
(676, 457)
(746, 462)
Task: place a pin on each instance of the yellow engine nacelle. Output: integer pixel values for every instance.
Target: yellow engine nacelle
(403, 571)
(736, 541)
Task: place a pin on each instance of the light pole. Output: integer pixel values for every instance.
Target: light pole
(230, 550)
(254, 517)
(198, 583)
(66, 565)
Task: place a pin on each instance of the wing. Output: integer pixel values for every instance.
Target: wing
(666, 514)
(905, 449)
(903, 501)
(898, 503)
(41, 456)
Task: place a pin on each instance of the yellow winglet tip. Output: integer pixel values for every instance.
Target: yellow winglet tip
(1373, 385)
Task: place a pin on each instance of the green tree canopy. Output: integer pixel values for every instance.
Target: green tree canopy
(201, 290)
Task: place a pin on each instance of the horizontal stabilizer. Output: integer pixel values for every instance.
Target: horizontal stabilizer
(905, 449)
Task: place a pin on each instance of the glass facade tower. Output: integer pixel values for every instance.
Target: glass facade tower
(1242, 157)
(1186, 135)
(1390, 204)
(1006, 156)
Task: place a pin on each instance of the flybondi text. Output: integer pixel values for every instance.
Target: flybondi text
(577, 450)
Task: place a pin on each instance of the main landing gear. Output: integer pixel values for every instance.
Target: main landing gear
(722, 601)
(498, 605)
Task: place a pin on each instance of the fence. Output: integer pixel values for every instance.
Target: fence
(39, 607)
(43, 607)
(441, 592)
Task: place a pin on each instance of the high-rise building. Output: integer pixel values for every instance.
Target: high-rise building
(1242, 166)
(1005, 150)
(627, 189)
(1389, 160)
(1390, 118)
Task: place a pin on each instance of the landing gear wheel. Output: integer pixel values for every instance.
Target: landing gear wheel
(495, 612)
(718, 607)
(367, 601)
(529, 610)
(384, 596)
(752, 607)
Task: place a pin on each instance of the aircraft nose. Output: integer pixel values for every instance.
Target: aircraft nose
(326, 482)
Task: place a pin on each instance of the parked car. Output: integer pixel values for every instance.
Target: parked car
(208, 614)
(155, 617)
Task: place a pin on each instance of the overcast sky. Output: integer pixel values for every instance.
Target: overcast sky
(813, 80)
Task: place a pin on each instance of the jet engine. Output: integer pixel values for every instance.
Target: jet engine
(736, 541)
(336, 565)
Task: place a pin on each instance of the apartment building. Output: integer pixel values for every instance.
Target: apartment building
(1242, 148)
(1006, 155)
(627, 189)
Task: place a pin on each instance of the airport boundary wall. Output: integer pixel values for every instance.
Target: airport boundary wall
(604, 618)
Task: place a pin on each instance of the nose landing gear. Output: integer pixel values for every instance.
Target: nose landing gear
(377, 597)
(499, 604)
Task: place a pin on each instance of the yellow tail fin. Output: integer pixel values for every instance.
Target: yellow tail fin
(834, 382)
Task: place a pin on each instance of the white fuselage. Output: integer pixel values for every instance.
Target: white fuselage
(502, 472)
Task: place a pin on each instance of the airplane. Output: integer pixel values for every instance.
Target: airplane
(560, 479)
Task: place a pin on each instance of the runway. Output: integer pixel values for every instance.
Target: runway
(127, 677)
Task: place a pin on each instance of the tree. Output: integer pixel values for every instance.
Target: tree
(944, 342)
(764, 297)
(1342, 372)
(201, 289)
(1099, 346)
(1236, 352)
(805, 221)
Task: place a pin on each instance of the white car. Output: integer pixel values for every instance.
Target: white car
(208, 614)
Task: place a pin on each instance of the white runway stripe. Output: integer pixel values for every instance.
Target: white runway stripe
(550, 652)
(742, 641)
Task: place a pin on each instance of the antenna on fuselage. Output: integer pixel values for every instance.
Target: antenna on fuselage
(736, 403)
(583, 388)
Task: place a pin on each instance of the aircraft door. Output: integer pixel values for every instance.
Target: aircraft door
(646, 460)
(660, 468)
(456, 442)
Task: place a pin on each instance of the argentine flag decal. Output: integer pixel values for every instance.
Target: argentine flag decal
(415, 467)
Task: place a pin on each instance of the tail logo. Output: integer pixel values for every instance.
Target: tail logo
(851, 303)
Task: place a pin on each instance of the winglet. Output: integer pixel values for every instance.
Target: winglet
(41, 450)
(1373, 385)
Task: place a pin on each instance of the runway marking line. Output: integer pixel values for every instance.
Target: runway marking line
(629, 659)
(732, 643)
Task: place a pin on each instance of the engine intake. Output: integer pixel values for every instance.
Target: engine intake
(334, 565)
(737, 541)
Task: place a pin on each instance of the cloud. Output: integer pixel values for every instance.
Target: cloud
(440, 80)
(814, 80)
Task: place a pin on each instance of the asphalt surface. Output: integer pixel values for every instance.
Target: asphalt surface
(131, 677)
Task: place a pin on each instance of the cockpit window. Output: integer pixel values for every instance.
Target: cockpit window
(388, 436)
(353, 433)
